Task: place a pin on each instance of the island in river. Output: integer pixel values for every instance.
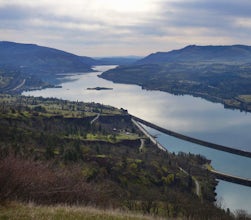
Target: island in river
(100, 88)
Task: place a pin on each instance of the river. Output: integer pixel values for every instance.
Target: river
(189, 115)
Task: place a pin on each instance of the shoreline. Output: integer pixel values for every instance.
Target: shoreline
(227, 103)
(195, 140)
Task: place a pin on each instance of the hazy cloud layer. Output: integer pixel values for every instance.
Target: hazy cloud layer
(119, 27)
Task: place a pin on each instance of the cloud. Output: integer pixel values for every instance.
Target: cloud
(212, 14)
(126, 27)
(207, 22)
(230, 8)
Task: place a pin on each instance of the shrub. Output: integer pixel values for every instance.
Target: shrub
(28, 180)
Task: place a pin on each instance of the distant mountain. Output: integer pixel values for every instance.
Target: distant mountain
(124, 60)
(216, 73)
(35, 60)
(29, 66)
(193, 53)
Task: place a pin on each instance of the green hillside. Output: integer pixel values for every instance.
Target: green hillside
(29, 66)
(216, 73)
(54, 152)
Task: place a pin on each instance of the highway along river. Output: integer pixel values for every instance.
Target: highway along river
(188, 115)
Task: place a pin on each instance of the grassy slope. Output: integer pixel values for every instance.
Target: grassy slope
(23, 211)
(19, 211)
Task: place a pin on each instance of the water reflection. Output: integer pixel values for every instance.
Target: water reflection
(229, 195)
(185, 114)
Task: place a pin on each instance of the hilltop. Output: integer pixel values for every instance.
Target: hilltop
(29, 66)
(194, 53)
(216, 73)
(35, 60)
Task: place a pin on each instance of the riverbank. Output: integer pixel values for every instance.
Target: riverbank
(194, 140)
(147, 134)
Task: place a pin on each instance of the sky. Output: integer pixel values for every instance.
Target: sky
(100, 28)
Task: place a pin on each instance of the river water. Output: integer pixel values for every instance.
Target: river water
(192, 116)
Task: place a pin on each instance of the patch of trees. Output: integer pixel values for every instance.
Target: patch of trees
(46, 159)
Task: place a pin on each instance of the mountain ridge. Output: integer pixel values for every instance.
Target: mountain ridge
(35, 59)
(216, 73)
(220, 53)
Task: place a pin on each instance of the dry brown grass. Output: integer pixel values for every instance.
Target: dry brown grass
(245, 98)
(20, 211)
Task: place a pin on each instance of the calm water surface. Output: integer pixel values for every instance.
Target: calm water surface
(186, 114)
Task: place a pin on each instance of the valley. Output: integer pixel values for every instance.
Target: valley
(125, 110)
(73, 133)
(224, 77)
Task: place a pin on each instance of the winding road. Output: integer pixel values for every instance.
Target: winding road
(197, 184)
(95, 119)
(20, 85)
(218, 175)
